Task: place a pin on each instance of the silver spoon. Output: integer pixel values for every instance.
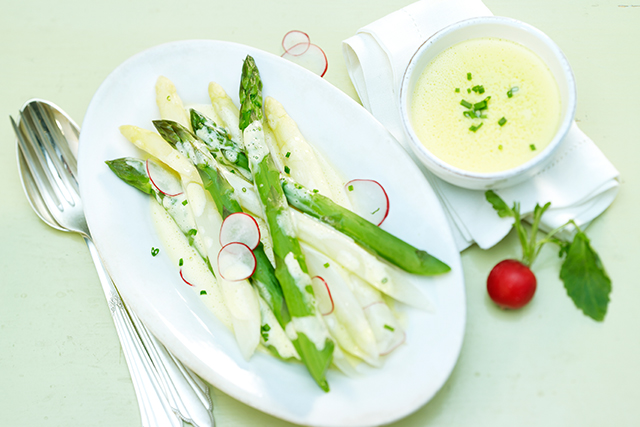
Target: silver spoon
(167, 391)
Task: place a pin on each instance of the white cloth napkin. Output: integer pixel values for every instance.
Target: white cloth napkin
(579, 181)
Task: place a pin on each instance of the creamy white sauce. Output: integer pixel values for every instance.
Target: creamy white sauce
(255, 144)
(313, 328)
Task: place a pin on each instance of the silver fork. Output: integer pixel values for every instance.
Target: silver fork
(167, 391)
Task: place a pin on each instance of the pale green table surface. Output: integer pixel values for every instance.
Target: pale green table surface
(546, 365)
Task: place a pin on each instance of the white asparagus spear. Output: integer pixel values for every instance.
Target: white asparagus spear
(239, 297)
(170, 104)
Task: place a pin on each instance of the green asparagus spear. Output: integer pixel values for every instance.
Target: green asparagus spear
(218, 140)
(263, 279)
(134, 172)
(366, 234)
(312, 341)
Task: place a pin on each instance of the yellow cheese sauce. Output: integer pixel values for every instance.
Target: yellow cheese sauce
(532, 113)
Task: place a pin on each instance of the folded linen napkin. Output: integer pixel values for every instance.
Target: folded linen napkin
(579, 181)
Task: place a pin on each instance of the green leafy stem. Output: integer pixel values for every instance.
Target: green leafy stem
(582, 272)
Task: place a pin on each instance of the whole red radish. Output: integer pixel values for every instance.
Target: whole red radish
(511, 284)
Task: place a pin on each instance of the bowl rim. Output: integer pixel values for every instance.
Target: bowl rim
(504, 175)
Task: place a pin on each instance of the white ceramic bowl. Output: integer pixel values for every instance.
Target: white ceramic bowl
(494, 27)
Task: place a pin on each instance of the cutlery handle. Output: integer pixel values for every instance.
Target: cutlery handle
(166, 390)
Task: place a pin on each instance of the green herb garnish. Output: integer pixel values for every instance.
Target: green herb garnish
(482, 105)
(475, 128)
(185, 202)
(391, 328)
(287, 170)
(468, 90)
(500, 147)
(502, 121)
(350, 187)
(466, 104)
(181, 262)
(468, 76)
(479, 89)
(457, 90)
(326, 265)
(315, 190)
(203, 292)
(510, 91)
(582, 272)
(375, 211)
(191, 235)
(532, 147)
(154, 251)
(244, 189)
(288, 154)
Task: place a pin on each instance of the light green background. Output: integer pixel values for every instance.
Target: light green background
(546, 365)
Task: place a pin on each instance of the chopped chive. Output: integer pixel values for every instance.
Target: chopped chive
(457, 90)
(475, 128)
(287, 170)
(391, 328)
(510, 91)
(385, 280)
(482, 105)
(375, 211)
(288, 154)
(244, 189)
(154, 251)
(203, 292)
(181, 262)
(265, 327)
(185, 202)
(533, 147)
(479, 89)
(326, 265)
(233, 171)
(468, 90)
(350, 188)
(315, 190)
(500, 147)
(468, 76)
(168, 97)
(502, 121)
(466, 104)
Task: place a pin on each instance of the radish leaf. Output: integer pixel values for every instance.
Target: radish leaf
(585, 279)
(498, 204)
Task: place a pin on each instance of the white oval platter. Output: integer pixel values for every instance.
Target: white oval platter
(359, 147)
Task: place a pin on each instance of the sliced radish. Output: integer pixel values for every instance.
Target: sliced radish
(313, 59)
(297, 39)
(240, 227)
(323, 295)
(185, 280)
(236, 262)
(373, 303)
(398, 343)
(369, 199)
(162, 180)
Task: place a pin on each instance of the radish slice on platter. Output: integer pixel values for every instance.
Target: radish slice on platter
(162, 180)
(236, 262)
(240, 227)
(298, 39)
(185, 280)
(323, 295)
(369, 199)
(313, 59)
(400, 339)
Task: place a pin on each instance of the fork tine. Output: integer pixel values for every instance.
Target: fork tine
(44, 148)
(39, 173)
(51, 125)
